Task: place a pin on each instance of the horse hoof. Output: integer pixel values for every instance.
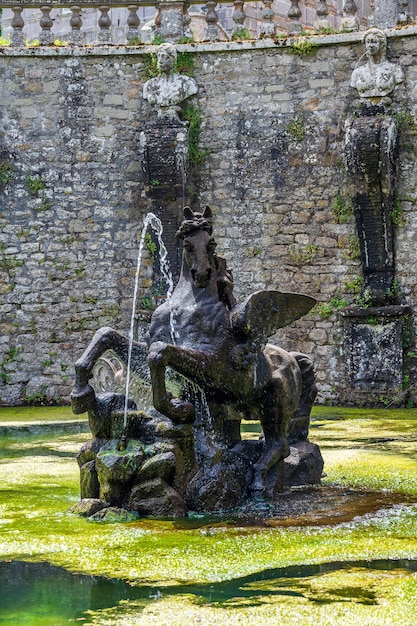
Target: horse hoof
(83, 400)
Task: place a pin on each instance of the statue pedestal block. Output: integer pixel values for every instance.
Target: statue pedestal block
(374, 354)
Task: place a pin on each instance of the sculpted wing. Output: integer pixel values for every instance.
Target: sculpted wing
(264, 312)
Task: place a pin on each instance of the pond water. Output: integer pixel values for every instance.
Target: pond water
(46, 594)
(337, 554)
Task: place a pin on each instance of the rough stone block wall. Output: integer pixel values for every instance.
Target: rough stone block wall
(273, 125)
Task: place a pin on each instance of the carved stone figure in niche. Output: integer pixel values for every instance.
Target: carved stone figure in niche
(378, 77)
(168, 90)
(371, 149)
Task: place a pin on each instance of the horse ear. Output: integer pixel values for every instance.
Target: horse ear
(207, 212)
(188, 214)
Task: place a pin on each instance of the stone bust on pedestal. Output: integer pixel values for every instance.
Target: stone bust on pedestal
(378, 78)
(167, 91)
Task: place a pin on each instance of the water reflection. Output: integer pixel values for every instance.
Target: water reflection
(32, 593)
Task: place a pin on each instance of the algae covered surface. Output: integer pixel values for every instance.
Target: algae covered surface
(57, 568)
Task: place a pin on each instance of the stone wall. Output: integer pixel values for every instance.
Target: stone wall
(273, 123)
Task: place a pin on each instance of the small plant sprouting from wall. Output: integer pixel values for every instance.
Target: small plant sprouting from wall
(351, 248)
(297, 127)
(303, 255)
(9, 263)
(405, 122)
(151, 246)
(193, 115)
(301, 46)
(394, 291)
(34, 184)
(325, 309)
(134, 41)
(342, 208)
(8, 358)
(356, 287)
(150, 66)
(397, 213)
(6, 172)
(185, 63)
(242, 34)
(44, 205)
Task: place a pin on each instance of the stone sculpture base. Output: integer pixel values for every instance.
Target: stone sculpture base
(167, 470)
(374, 354)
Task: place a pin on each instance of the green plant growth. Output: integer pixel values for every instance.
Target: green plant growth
(6, 172)
(38, 398)
(405, 121)
(157, 40)
(8, 358)
(34, 184)
(342, 208)
(397, 213)
(356, 286)
(301, 46)
(193, 116)
(229, 573)
(303, 255)
(147, 302)
(80, 272)
(150, 66)
(336, 303)
(394, 291)
(150, 245)
(44, 204)
(350, 247)
(186, 39)
(297, 127)
(134, 41)
(8, 262)
(242, 34)
(185, 63)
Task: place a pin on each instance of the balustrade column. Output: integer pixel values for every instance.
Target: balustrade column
(133, 23)
(17, 37)
(403, 16)
(186, 20)
(349, 21)
(238, 17)
(211, 33)
(267, 27)
(76, 23)
(46, 37)
(322, 20)
(294, 15)
(171, 16)
(104, 23)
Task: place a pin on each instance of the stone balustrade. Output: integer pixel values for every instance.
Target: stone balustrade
(173, 20)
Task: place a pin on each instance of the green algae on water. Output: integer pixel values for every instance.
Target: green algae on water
(192, 572)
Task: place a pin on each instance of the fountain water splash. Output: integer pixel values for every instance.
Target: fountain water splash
(151, 220)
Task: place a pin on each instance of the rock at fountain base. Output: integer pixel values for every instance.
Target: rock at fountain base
(304, 465)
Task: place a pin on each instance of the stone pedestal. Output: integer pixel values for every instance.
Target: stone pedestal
(165, 161)
(374, 354)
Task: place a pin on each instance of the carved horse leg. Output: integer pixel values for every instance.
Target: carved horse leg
(189, 363)
(277, 404)
(83, 396)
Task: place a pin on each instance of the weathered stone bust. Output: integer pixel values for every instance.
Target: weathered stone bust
(378, 78)
(168, 90)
